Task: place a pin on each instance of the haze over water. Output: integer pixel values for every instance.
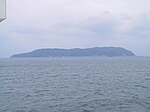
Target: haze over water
(89, 84)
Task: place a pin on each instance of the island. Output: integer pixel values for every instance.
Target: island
(76, 52)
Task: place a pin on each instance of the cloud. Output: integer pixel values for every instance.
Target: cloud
(32, 24)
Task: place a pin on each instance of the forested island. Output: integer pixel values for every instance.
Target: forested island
(76, 52)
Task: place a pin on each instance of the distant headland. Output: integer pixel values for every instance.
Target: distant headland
(76, 52)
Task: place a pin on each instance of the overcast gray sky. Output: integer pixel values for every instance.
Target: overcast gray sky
(33, 24)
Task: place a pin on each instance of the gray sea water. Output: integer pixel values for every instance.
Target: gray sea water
(89, 84)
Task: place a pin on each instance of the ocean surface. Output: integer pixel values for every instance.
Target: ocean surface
(75, 84)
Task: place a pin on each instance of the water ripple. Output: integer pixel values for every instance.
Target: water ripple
(91, 84)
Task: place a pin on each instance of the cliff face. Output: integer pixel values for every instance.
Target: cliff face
(76, 52)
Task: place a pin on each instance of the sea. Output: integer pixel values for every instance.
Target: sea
(75, 84)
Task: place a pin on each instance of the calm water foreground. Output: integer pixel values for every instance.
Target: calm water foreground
(90, 84)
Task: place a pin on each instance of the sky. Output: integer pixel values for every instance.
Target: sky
(35, 24)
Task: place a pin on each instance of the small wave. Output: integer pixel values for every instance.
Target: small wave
(141, 86)
(32, 110)
(5, 93)
(147, 78)
(87, 111)
(20, 111)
